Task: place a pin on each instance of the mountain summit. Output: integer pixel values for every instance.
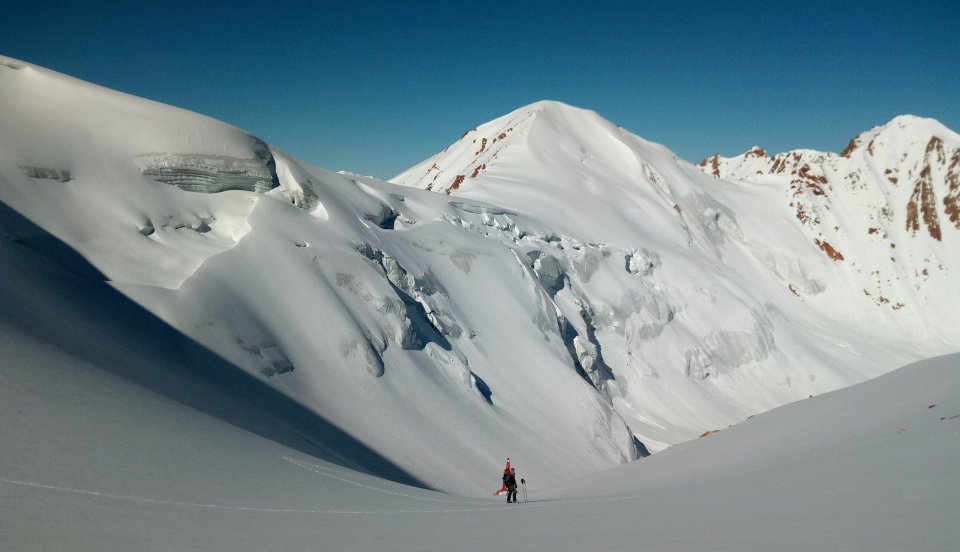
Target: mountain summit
(552, 132)
(549, 156)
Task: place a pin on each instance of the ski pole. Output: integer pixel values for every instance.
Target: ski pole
(523, 483)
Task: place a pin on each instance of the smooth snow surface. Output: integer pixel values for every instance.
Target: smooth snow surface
(210, 345)
(115, 467)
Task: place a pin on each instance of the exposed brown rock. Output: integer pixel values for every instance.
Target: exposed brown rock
(850, 147)
(713, 162)
(456, 183)
(805, 173)
(756, 152)
(829, 250)
(951, 201)
(779, 164)
(923, 206)
(478, 170)
(805, 217)
(923, 201)
(887, 173)
(935, 145)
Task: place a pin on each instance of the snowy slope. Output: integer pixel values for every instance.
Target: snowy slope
(117, 466)
(430, 335)
(385, 311)
(706, 298)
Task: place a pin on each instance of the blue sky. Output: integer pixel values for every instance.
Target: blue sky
(375, 87)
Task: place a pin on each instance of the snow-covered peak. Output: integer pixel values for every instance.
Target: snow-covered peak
(556, 109)
(903, 132)
(549, 156)
(913, 161)
(753, 160)
(888, 206)
(905, 137)
(548, 134)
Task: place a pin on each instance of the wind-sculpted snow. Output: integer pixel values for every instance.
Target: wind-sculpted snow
(60, 175)
(208, 174)
(10, 64)
(305, 198)
(274, 362)
(421, 322)
(723, 351)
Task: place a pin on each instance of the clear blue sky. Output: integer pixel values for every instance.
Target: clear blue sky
(375, 87)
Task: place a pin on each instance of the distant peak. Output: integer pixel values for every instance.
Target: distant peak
(922, 127)
(550, 105)
(910, 122)
(555, 108)
(906, 119)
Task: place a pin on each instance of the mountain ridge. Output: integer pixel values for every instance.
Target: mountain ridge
(586, 297)
(904, 174)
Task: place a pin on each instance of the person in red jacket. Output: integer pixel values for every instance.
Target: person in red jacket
(510, 480)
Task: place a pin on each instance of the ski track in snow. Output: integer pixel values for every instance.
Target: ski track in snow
(165, 502)
(314, 469)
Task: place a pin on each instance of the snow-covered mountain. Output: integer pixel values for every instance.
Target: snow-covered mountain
(707, 298)
(887, 208)
(575, 297)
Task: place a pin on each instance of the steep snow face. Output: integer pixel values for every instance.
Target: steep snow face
(537, 158)
(83, 162)
(885, 210)
(408, 320)
(699, 297)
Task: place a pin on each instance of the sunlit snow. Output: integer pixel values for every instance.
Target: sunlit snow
(211, 345)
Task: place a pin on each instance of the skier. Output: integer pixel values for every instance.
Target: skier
(510, 480)
(503, 480)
